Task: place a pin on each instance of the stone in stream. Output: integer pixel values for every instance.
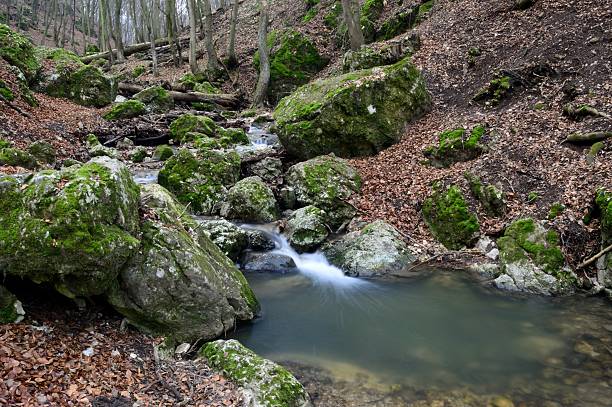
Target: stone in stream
(184, 125)
(268, 262)
(11, 310)
(262, 382)
(179, 284)
(326, 182)
(250, 200)
(306, 228)
(163, 152)
(356, 114)
(75, 228)
(532, 260)
(270, 169)
(231, 239)
(96, 149)
(377, 249)
(603, 200)
(201, 180)
(155, 99)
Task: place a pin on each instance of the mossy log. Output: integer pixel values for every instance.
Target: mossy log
(226, 100)
(588, 138)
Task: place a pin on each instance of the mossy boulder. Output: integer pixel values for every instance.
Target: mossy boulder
(370, 56)
(5, 92)
(355, 114)
(495, 91)
(263, 382)
(492, 198)
(19, 88)
(43, 151)
(270, 169)
(449, 218)
(326, 182)
(179, 284)
(456, 146)
(156, 99)
(603, 200)
(4, 143)
(201, 180)
(231, 239)
(17, 158)
(232, 136)
(251, 200)
(73, 228)
(532, 260)
(18, 50)
(138, 154)
(184, 127)
(126, 110)
(294, 60)
(306, 228)
(11, 310)
(163, 152)
(377, 249)
(197, 82)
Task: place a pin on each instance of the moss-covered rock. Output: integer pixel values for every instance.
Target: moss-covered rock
(270, 169)
(43, 151)
(18, 50)
(163, 152)
(138, 71)
(20, 87)
(355, 114)
(200, 181)
(264, 383)
(377, 249)
(371, 10)
(197, 82)
(73, 228)
(491, 198)
(4, 143)
(231, 136)
(603, 200)
(138, 154)
(156, 99)
(403, 21)
(556, 209)
(450, 219)
(96, 149)
(306, 228)
(126, 110)
(179, 284)
(251, 200)
(380, 54)
(181, 128)
(5, 92)
(17, 158)
(456, 146)
(231, 239)
(294, 60)
(532, 260)
(495, 91)
(11, 310)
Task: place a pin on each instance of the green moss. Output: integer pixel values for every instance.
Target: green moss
(156, 99)
(4, 144)
(424, 10)
(556, 209)
(92, 49)
(138, 70)
(494, 91)
(189, 123)
(86, 86)
(532, 197)
(310, 14)
(138, 155)
(230, 137)
(163, 152)
(19, 51)
(397, 24)
(449, 218)
(126, 110)
(8, 312)
(205, 87)
(603, 200)
(61, 57)
(491, 198)
(17, 158)
(332, 18)
(370, 12)
(42, 151)
(5, 92)
(454, 146)
(198, 82)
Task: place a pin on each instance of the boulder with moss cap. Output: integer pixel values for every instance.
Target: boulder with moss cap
(11, 310)
(356, 114)
(179, 284)
(156, 99)
(231, 239)
(262, 382)
(532, 260)
(17, 158)
(18, 50)
(250, 200)
(306, 228)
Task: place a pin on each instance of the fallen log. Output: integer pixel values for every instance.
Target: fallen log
(225, 100)
(588, 138)
(134, 48)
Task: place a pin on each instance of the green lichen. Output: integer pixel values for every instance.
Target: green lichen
(449, 218)
(556, 209)
(189, 123)
(495, 91)
(17, 158)
(126, 110)
(18, 50)
(455, 146)
(163, 152)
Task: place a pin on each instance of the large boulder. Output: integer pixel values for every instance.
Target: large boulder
(11, 310)
(180, 284)
(306, 228)
(17, 158)
(356, 114)
(251, 200)
(262, 382)
(449, 218)
(187, 126)
(126, 110)
(532, 260)
(326, 182)
(18, 50)
(231, 239)
(156, 99)
(201, 180)
(75, 228)
(43, 151)
(603, 200)
(377, 249)
(378, 54)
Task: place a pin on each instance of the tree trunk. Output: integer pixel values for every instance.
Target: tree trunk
(226, 100)
(106, 24)
(193, 63)
(350, 11)
(232, 61)
(213, 60)
(171, 30)
(261, 91)
(117, 29)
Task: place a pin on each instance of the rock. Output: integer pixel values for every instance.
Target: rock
(487, 247)
(294, 60)
(73, 228)
(532, 261)
(450, 219)
(126, 110)
(17, 158)
(603, 199)
(268, 262)
(231, 137)
(263, 382)
(231, 239)
(250, 200)
(378, 249)
(259, 241)
(156, 99)
(18, 50)
(523, 4)
(270, 169)
(200, 180)
(495, 91)
(306, 228)
(42, 151)
(403, 21)
(69, 162)
(163, 152)
(179, 284)
(380, 54)
(125, 144)
(98, 150)
(11, 310)
(326, 182)
(456, 146)
(492, 198)
(181, 128)
(355, 114)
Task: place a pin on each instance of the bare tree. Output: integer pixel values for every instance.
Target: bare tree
(193, 62)
(170, 12)
(261, 91)
(232, 61)
(350, 10)
(118, 31)
(213, 60)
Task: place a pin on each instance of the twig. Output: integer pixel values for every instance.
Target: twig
(592, 259)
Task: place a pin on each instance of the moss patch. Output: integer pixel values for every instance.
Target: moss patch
(490, 197)
(495, 91)
(189, 123)
(163, 152)
(456, 146)
(17, 158)
(156, 99)
(126, 110)
(18, 50)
